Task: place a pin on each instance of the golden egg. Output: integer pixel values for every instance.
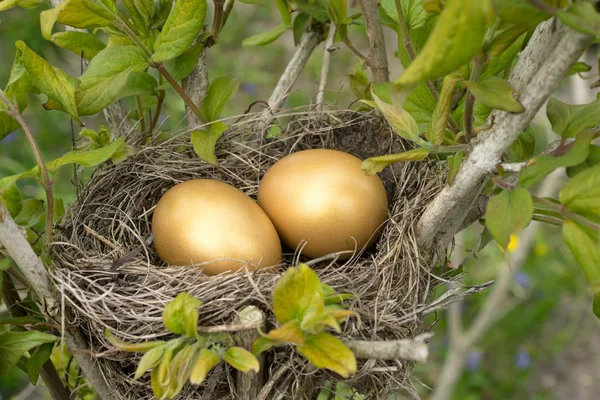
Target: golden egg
(208, 222)
(324, 198)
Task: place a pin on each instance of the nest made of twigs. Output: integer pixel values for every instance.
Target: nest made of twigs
(390, 282)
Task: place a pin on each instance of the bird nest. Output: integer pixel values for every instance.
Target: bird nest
(109, 273)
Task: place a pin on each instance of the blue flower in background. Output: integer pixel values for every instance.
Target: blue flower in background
(10, 138)
(523, 279)
(473, 360)
(523, 359)
(248, 88)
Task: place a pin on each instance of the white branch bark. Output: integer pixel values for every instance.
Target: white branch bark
(196, 86)
(325, 66)
(289, 76)
(543, 64)
(405, 349)
(16, 247)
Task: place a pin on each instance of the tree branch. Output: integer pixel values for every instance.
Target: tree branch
(405, 349)
(460, 346)
(249, 384)
(47, 183)
(17, 248)
(289, 76)
(379, 64)
(542, 66)
(325, 67)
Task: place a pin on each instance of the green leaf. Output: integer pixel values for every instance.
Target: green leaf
(14, 344)
(40, 355)
(132, 347)
(439, 120)
(31, 212)
(522, 148)
(585, 249)
(81, 43)
(337, 11)
(317, 9)
(421, 105)
(241, 359)
(180, 67)
(219, 92)
(333, 297)
(454, 163)
(87, 158)
(504, 49)
(140, 13)
(107, 75)
(18, 321)
(8, 4)
(581, 16)
(181, 315)
(263, 344)
(265, 38)
(507, 213)
(204, 142)
(181, 29)
(289, 332)
(206, 361)
(578, 68)
(161, 375)
(149, 361)
(569, 120)
(299, 27)
(138, 84)
(458, 36)
(327, 351)
(51, 81)
(181, 368)
(296, 292)
(286, 15)
(7, 125)
(413, 10)
(582, 193)
(10, 196)
(83, 14)
(537, 168)
(401, 121)
(521, 12)
(496, 93)
(592, 159)
(374, 165)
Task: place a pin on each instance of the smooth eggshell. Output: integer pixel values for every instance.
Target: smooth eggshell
(203, 220)
(323, 197)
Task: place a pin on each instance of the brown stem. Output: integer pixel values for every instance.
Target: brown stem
(217, 20)
(186, 99)
(568, 214)
(13, 111)
(140, 110)
(547, 219)
(357, 52)
(470, 102)
(228, 9)
(19, 277)
(57, 390)
(541, 5)
(160, 99)
(163, 71)
(379, 64)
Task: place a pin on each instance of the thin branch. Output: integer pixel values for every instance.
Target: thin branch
(568, 214)
(289, 76)
(228, 9)
(379, 63)
(159, 103)
(217, 21)
(13, 111)
(17, 248)
(405, 349)
(325, 67)
(196, 85)
(459, 349)
(249, 384)
(547, 219)
(542, 65)
(356, 52)
(140, 110)
(12, 272)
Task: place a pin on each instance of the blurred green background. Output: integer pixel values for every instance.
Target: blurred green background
(546, 343)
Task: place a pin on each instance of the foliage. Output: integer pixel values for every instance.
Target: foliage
(190, 356)
(305, 308)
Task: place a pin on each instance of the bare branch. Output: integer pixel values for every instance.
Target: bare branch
(249, 384)
(460, 346)
(289, 76)
(379, 64)
(405, 349)
(17, 248)
(325, 67)
(14, 112)
(551, 51)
